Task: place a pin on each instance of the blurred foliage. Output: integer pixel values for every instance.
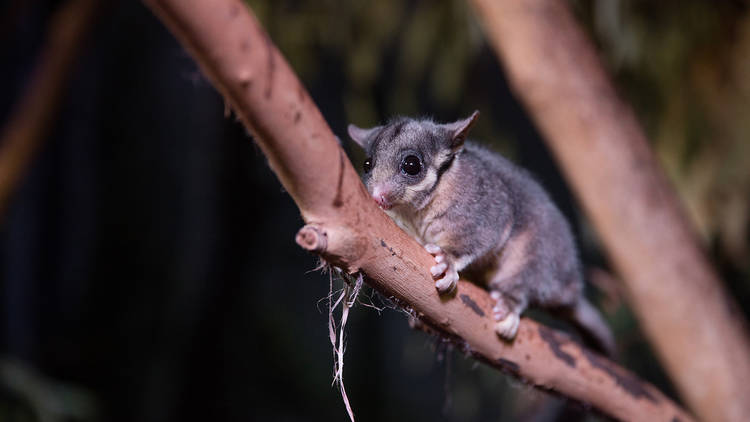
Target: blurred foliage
(423, 43)
(685, 67)
(29, 396)
(395, 58)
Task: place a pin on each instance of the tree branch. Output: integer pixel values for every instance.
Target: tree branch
(350, 231)
(694, 325)
(28, 124)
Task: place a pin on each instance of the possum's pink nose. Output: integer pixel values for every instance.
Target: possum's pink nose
(380, 195)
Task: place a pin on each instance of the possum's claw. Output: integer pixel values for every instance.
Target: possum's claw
(432, 249)
(507, 320)
(442, 267)
(508, 327)
(448, 282)
(438, 269)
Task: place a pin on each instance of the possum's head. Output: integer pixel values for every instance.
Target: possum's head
(406, 158)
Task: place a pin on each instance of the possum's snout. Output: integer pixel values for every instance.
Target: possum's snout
(383, 196)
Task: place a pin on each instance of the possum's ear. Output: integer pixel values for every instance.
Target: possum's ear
(363, 137)
(458, 130)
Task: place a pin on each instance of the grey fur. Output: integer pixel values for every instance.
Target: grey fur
(491, 220)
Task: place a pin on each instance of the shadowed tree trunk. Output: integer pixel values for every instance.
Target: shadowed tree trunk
(27, 125)
(680, 302)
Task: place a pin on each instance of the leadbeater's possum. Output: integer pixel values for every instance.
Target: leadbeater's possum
(479, 214)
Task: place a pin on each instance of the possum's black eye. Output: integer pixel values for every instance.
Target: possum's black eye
(367, 165)
(411, 165)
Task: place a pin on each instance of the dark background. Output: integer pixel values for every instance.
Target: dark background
(147, 264)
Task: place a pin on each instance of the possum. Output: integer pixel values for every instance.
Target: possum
(479, 214)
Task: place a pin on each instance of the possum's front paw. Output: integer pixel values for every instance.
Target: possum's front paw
(444, 268)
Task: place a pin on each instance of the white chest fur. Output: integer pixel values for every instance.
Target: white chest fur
(409, 222)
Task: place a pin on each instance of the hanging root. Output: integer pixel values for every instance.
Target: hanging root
(347, 298)
(349, 295)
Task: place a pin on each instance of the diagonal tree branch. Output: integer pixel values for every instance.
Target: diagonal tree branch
(692, 322)
(348, 230)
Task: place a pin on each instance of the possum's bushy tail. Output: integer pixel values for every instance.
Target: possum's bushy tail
(593, 327)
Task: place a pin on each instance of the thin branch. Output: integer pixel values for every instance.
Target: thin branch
(348, 230)
(27, 126)
(692, 322)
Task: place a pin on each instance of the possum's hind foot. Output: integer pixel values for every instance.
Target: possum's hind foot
(507, 320)
(443, 267)
(508, 327)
